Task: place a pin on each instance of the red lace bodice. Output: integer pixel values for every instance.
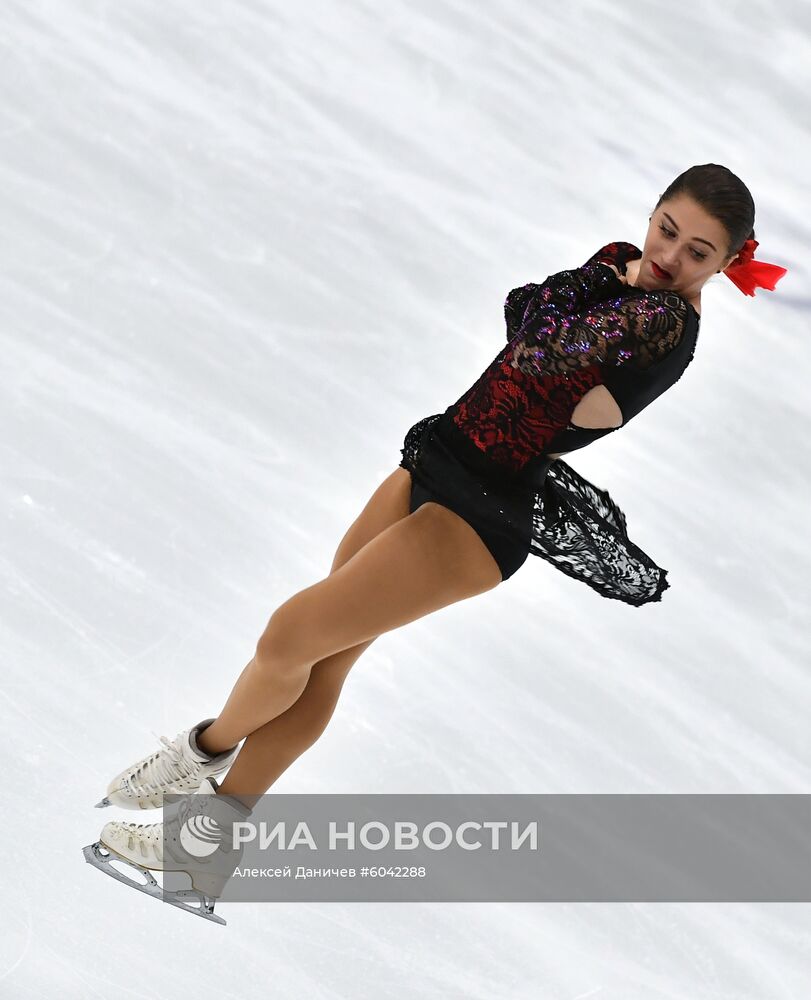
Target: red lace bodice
(563, 337)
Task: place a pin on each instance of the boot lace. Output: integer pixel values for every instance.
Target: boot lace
(164, 768)
(152, 833)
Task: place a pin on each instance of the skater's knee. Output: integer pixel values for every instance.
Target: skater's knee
(275, 657)
(282, 649)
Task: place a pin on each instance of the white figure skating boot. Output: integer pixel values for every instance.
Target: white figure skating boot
(177, 768)
(200, 824)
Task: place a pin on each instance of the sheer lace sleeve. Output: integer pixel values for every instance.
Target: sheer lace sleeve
(638, 331)
(617, 253)
(570, 290)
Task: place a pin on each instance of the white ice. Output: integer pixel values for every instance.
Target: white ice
(245, 245)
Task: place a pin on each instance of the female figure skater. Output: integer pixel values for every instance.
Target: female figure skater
(479, 488)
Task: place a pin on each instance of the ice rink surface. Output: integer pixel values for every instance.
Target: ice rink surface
(246, 246)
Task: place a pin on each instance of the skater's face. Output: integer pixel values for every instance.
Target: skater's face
(686, 242)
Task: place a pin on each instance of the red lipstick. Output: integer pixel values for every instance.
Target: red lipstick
(661, 274)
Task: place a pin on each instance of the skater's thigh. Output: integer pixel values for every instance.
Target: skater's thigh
(388, 504)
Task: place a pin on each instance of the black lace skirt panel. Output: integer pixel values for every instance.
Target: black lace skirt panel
(553, 511)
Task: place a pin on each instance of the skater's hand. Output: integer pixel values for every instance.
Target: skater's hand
(616, 271)
(632, 270)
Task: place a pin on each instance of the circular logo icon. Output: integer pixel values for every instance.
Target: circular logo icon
(200, 836)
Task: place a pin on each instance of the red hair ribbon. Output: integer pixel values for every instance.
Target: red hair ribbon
(749, 274)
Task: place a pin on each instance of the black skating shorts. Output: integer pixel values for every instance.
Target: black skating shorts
(501, 518)
(509, 554)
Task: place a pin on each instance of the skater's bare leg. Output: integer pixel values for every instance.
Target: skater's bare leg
(427, 561)
(271, 749)
(274, 746)
(423, 562)
(290, 733)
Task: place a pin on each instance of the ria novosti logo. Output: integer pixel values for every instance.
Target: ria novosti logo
(200, 836)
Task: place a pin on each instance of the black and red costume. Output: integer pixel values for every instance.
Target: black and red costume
(486, 456)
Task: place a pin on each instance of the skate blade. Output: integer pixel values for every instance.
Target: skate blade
(128, 805)
(100, 856)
